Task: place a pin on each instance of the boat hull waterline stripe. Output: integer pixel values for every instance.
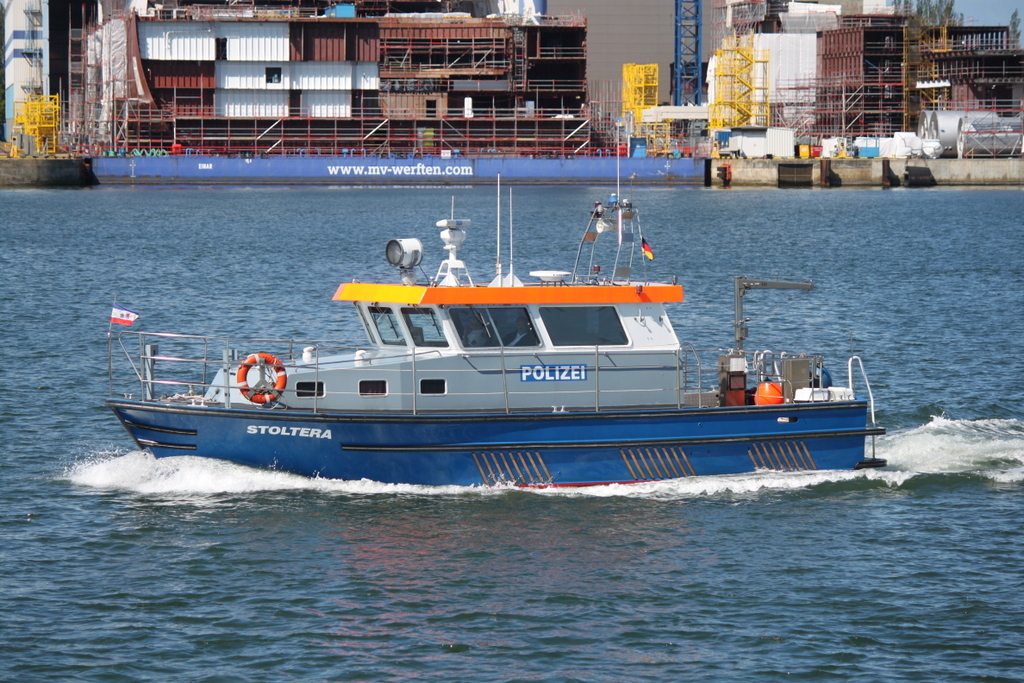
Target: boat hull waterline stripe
(149, 443)
(162, 430)
(693, 441)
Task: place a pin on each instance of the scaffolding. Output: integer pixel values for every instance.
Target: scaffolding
(658, 137)
(729, 17)
(639, 90)
(912, 33)
(141, 130)
(38, 117)
(741, 85)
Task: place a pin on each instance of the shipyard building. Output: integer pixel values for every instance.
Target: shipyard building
(499, 77)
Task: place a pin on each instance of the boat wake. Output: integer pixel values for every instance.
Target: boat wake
(991, 450)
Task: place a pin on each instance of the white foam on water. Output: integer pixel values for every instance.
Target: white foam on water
(139, 472)
(989, 448)
(993, 449)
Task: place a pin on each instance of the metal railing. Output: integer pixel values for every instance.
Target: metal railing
(864, 376)
(183, 369)
(166, 367)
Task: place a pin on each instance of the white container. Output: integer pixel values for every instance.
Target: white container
(810, 395)
(814, 395)
(757, 142)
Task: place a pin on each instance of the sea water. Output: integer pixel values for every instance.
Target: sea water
(115, 566)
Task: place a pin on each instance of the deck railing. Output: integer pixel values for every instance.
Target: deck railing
(165, 367)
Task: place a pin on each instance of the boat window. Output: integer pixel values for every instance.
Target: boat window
(424, 327)
(373, 387)
(367, 325)
(515, 326)
(433, 386)
(386, 322)
(475, 327)
(309, 390)
(583, 325)
(496, 326)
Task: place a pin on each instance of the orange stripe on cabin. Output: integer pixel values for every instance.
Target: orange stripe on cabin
(530, 294)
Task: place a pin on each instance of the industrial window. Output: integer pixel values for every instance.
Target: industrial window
(221, 47)
(273, 74)
(309, 390)
(583, 325)
(373, 387)
(433, 386)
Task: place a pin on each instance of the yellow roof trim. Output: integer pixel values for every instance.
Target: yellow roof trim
(530, 294)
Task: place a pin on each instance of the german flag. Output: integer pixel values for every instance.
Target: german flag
(648, 252)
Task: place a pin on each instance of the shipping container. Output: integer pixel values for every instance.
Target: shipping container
(755, 142)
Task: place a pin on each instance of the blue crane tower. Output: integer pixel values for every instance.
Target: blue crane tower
(686, 81)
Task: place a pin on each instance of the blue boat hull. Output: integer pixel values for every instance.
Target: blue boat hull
(373, 170)
(548, 449)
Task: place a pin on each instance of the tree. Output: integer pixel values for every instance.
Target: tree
(939, 13)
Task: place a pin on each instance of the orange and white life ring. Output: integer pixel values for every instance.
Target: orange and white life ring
(262, 391)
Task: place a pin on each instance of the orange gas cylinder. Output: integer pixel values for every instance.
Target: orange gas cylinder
(769, 394)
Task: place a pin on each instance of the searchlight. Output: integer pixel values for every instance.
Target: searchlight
(405, 254)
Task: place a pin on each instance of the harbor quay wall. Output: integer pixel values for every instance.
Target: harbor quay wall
(351, 170)
(45, 172)
(863, 172)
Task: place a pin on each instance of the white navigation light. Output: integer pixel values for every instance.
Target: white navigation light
(405, 253)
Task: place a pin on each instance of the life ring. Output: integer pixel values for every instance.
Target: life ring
(262, 391)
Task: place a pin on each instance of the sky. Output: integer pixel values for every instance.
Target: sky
(989, 12)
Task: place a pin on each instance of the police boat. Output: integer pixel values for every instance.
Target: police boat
(573, 378)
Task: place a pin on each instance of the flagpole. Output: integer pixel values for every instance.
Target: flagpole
(110, 352)
(110, 322)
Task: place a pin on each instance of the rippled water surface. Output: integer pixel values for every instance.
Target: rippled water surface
(118, 567)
